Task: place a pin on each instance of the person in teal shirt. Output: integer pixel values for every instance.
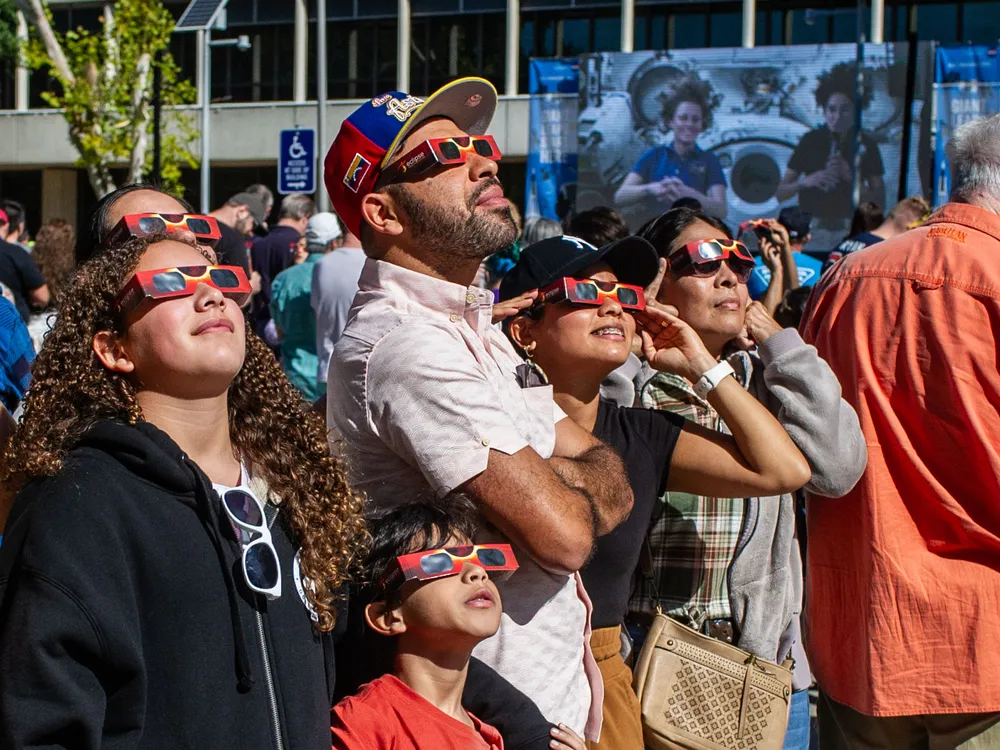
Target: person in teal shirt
(291, 306)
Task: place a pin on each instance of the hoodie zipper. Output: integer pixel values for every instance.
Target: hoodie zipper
(269, 679)
(272, 696)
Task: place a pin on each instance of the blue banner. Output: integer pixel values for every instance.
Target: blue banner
(967, 88)
(552, 163)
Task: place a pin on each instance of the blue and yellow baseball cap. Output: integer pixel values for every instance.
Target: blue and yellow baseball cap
(370, 137)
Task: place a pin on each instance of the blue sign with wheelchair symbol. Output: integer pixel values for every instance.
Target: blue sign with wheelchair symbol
(297, 161)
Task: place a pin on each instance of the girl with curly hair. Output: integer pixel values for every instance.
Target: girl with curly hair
(820, 170)
(665, 174)
(170, 565)
(53, 252)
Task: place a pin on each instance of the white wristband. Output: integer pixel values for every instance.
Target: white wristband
(711, 379)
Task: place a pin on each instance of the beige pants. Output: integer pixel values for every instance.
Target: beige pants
(622, 728)
(843, 728)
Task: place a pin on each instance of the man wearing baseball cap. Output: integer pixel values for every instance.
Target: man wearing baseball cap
(422, 394)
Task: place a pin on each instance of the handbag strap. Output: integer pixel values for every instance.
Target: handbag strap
(745, 700)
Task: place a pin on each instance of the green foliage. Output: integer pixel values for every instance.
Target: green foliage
(108, 102)
(8, 31)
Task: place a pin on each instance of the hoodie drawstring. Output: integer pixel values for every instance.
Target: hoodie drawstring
(211, 520)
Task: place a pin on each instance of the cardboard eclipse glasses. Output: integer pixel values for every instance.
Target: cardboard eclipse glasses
(204, 228)
(591, 292)
(183, 281)
(431, 564)
(705, 258)
(443, 151)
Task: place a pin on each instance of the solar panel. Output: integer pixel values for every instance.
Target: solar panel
(199, 15)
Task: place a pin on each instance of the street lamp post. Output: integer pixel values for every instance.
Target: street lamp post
(242, 43)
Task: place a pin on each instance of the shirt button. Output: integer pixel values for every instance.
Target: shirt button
(453, 317)
(470, 298)
(485, 442)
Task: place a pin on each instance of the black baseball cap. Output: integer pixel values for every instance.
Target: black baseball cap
(632, 259)
(796, 221)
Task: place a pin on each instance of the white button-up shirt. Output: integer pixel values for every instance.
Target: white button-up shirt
(421, 388)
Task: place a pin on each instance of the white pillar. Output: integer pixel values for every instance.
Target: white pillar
(199, 65)
(513, 51)
(301, 51)
(206, 98)
(628, 25)
(878, 21)
(352, 63)
(403, 47)
(21, 73)
(453, 50)
(749, 23)
(322, 199)
(256, 53)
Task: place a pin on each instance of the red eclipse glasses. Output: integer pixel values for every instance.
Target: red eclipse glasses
(448, 561)
(169, 283)
(705, 258)
(204, 228)
(592, 292)
(754, 225)
(443, 151)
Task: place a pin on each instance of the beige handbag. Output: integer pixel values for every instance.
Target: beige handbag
(698, 693)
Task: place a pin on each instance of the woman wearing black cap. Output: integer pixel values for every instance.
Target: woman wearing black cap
(580, 330)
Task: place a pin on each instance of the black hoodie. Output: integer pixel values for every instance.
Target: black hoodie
(125, 621)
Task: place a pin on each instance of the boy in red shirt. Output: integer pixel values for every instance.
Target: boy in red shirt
(435, 596)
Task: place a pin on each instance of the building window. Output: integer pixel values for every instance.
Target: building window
(468, 45)
(981, 22)
(938, 22)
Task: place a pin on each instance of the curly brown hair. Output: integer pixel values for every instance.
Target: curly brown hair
(272, 429)
(692, 89)
(55, 254)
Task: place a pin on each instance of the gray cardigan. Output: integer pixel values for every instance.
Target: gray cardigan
(765, 578)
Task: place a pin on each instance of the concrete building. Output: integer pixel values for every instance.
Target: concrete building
(256, 93)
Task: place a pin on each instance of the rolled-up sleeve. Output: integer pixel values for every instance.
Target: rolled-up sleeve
(432, 404)
(805, 396)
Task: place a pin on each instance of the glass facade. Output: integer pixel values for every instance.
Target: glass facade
(453, 38)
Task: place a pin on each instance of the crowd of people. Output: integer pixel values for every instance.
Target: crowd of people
(410, 474)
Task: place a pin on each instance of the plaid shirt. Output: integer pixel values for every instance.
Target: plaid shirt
(692, 538)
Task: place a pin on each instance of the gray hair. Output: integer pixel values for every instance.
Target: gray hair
(974, 154)
(538, 229)
(264, 193)
(297, 206)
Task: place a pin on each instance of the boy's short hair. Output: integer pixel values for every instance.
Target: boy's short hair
(427, 523)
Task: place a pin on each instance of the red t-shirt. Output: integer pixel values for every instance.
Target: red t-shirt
(387, 714)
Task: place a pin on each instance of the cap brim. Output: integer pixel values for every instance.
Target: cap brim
(470, 103)
(632, 259)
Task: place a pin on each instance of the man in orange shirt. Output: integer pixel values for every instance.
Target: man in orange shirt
(903, 590)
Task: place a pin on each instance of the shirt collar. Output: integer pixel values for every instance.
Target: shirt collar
(672, 153)
(420, 292)
(967, 215)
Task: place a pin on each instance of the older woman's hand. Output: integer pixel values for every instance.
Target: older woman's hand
(760, 326)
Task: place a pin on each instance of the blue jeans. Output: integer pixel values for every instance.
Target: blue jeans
(797, 734)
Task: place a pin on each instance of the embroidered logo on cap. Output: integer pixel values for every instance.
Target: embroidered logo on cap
(378, 101)
(357, 172)
(474, 101)
(401, 109)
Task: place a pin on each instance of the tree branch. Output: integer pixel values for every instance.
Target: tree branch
(140, 117)
(34, 11)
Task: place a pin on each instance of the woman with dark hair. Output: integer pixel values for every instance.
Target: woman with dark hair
(730, 564)
(576, 341)
(820, 170)
(867, 216)
(170, 565)
(665, 174)
(53, 252)
(129, 199)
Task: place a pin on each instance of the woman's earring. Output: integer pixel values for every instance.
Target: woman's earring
(530, 374)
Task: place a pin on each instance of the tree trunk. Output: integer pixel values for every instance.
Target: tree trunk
(140, 118)
(35, 12)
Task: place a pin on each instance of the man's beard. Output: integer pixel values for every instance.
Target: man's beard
(442, 229)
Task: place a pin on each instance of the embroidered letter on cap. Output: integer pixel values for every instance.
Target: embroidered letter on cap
(402, 109)
(378, 101)
(356, 172)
